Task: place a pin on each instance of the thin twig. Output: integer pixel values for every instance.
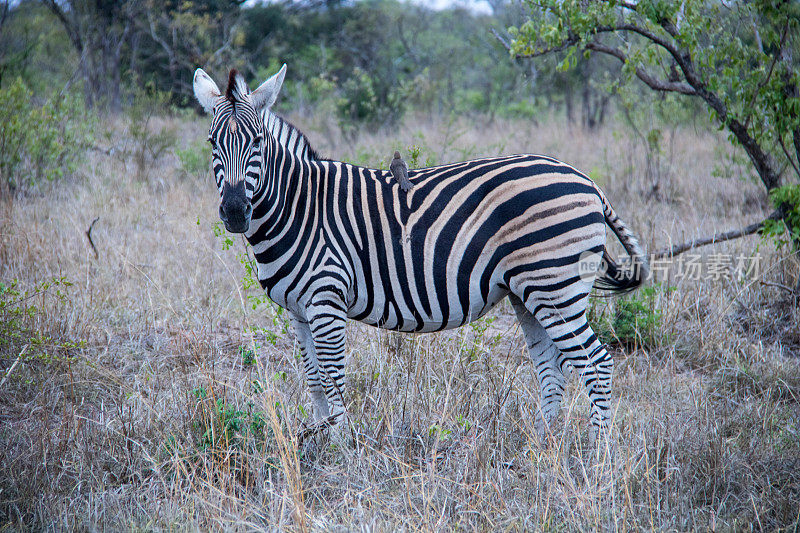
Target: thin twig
(563, 46)
(779, 286)
(505, 43)
(788, 156)
(14, 365)
(89, 236)
(719, 237)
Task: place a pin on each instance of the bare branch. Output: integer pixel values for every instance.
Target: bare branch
(157, 38)
(4, 10)
(13, 365)
(788, 155)
(500, 38)
(680, 56)
(719, 237)
(778, 286)
(409, 49)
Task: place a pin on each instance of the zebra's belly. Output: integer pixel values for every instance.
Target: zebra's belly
(398, 316)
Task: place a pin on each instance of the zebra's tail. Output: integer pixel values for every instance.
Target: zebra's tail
(613, 277)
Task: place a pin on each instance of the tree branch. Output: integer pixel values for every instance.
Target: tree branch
(69, 27)
(500, 38)
(788, 155)
(646, 77)
(695, 86)
(157, 38)
(409, 50)
(89, 236)
(761, 160)
(571, 41)
(719, 237)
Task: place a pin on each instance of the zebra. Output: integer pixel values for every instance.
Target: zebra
(334, 241)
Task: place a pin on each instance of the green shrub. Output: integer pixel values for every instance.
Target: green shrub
(194, 158)
(219, 425)
(38, 142)
(635, 320)
(150, 141)
(787, 230)
(25, 319)
(360, 104)
(527, 109)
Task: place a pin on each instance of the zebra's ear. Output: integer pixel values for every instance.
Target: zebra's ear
(267, 92)
(205, 90)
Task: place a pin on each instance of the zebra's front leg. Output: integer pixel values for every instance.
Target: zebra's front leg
(311, 366)
(327, 320)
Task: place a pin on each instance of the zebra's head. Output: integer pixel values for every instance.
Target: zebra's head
(237, 140)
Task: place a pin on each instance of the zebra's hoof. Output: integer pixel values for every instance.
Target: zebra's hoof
(315, 428)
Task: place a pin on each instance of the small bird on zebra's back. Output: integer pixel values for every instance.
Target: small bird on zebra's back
(399, 170)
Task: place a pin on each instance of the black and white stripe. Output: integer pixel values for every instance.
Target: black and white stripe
(335, 241)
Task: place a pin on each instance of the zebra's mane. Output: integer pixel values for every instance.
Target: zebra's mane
(237, 88)
(286, 132)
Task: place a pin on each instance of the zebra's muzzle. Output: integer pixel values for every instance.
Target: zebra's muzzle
(235, 209)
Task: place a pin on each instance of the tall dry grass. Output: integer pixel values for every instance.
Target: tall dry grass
(147, 393)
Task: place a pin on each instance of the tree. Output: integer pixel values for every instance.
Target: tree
(178, 36)
(740, 59)
(98, 30)
(137, 41)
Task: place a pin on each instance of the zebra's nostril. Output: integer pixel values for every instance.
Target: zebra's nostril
(222, 216)
(248, 210)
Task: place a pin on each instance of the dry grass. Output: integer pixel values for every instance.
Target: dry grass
(136, 404)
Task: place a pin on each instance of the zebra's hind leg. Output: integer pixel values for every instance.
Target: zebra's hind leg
(571, 333)
(311, 366)
(547, 358)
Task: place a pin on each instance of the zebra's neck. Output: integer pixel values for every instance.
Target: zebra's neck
(288, 136)
(288, 177)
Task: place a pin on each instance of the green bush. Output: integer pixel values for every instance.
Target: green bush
(38, 142)
(360, 103)
(635, 320)
(27, 344)
(527, 109)
(787, 230)
(194, 158)
(150, 140)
